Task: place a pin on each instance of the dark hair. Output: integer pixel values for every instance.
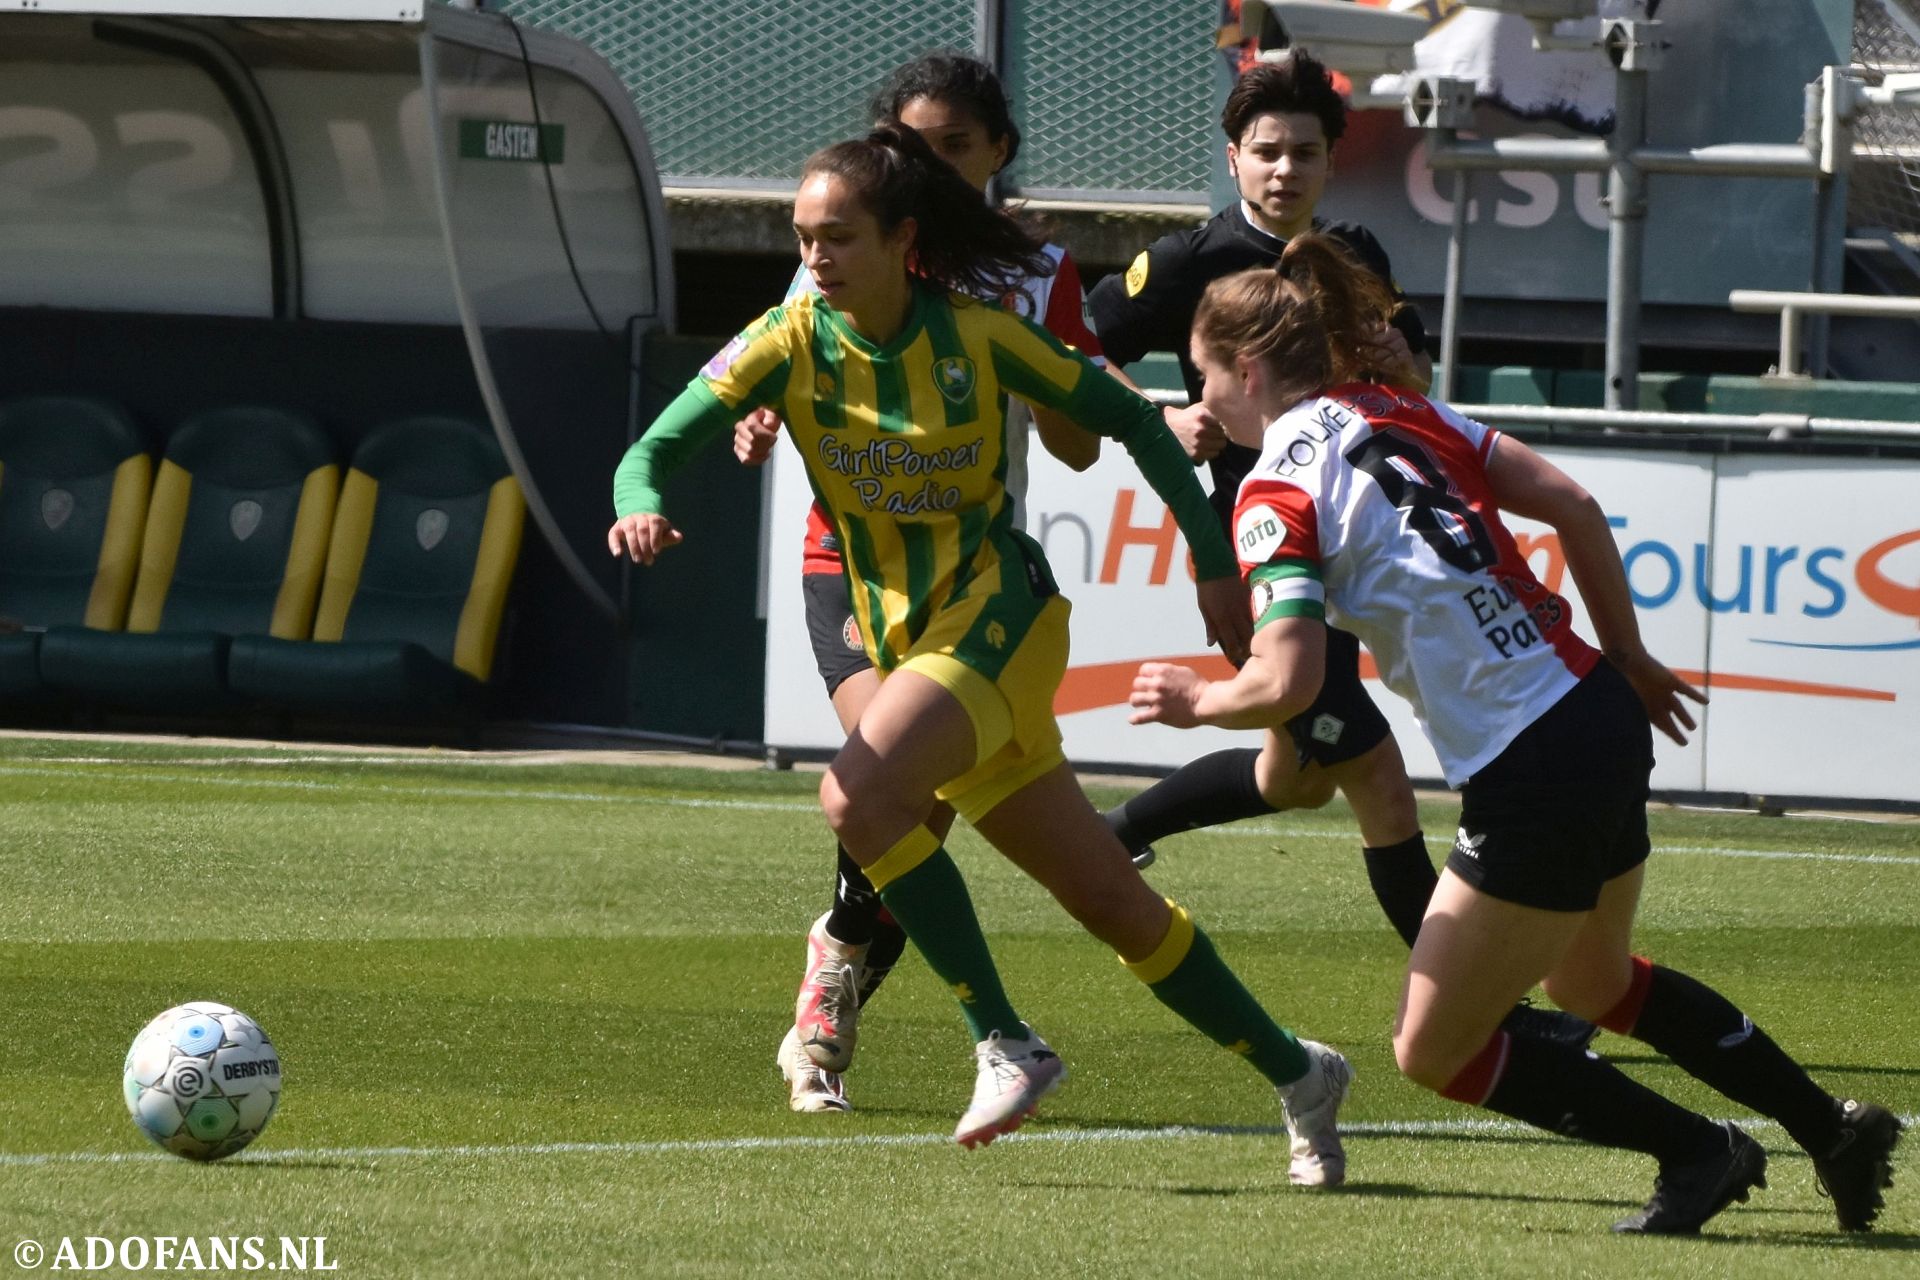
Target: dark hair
(1298, 82)
(955, 78)
(961, 244)
(1309, 316)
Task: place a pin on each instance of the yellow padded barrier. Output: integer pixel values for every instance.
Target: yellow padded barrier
(160, 551)
(293, 608)
(120, 548)
(346, 554)
(492, 575)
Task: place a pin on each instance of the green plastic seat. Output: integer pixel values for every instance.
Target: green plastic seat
(423, 549)
(74, 483)
(235, 544)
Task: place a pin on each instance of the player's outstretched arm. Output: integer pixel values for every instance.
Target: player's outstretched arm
(642, 537)
(1527, 484)
(1280, 679)
(640, 531)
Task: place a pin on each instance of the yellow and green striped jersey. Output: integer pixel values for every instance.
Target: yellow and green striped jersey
(905, 447)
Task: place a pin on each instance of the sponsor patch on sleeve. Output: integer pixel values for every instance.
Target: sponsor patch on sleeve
(1258, 533)
(716, 368)
(1137, 275)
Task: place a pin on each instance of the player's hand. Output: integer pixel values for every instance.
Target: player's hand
(1223, 604)
(1660, 692)
(1165, 694)
(641, 537)
(1389, 356)
(1197, 430)
(755, 435)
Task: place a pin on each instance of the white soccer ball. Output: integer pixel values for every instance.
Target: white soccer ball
(202, 1080)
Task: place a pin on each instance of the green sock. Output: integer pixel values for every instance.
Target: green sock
(1206, 993)
(932, 904)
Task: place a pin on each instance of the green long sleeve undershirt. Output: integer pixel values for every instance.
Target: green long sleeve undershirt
(1100, 404)
(1097, 403)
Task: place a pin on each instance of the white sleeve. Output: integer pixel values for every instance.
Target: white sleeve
(1478, 434)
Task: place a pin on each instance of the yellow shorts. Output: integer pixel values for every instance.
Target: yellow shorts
(1016, 738)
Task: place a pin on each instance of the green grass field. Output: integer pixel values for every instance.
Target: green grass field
(528, 1018)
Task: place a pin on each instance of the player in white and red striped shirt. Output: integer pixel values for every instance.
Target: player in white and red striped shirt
(1375, 508)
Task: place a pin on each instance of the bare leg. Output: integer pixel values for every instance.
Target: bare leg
(912, 738)
(1475, 956)
(1050, 831)
(1376, 787)
(850, 701)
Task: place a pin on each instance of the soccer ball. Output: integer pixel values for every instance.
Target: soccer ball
(202, 1080)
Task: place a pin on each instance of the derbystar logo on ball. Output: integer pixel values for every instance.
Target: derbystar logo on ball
(202, 1080)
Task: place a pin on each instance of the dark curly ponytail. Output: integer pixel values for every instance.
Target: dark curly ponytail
(960, 243)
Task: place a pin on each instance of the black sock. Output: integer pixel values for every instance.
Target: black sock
(856, 907)
(889, 941)
(1403, 880)
(1575, 1094)
(1711, 1040)
(1214, 789)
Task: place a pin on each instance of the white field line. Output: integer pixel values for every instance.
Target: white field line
(1375, 1129)
(133, 771)
(518, 759)
(225, 761)
(428, 792)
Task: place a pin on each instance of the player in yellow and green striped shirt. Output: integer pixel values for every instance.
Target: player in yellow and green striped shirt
(893, 383)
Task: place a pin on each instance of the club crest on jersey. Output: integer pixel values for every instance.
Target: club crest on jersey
(954, 376)
(823, 386)
(1018, 301)
(1137, 275)
(1258, 533)
(723, 359)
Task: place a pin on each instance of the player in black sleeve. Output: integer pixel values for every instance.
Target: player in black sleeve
(1282, 120)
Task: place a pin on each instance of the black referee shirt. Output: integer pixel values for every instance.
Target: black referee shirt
(1151, 306)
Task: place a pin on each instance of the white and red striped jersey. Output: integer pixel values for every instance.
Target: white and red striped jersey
(1370, 507)
(1055, 302)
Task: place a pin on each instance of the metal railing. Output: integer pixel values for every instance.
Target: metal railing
(1771, 426)
(1794, 307)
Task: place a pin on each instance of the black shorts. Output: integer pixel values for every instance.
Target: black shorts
(838, 650)
(1343, 722)
(1563, 809)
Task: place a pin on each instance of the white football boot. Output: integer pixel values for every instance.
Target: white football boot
(827, 1011)
(808, 1087)
(1310, 1104)
(1013, 1075)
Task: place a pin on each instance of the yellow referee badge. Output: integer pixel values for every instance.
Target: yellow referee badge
(1137, 275)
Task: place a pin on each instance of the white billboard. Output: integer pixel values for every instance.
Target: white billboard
(1788, 586)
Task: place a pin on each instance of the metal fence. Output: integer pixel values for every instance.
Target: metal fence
(1116, 99)
(1884, 190)
(1114, 96)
